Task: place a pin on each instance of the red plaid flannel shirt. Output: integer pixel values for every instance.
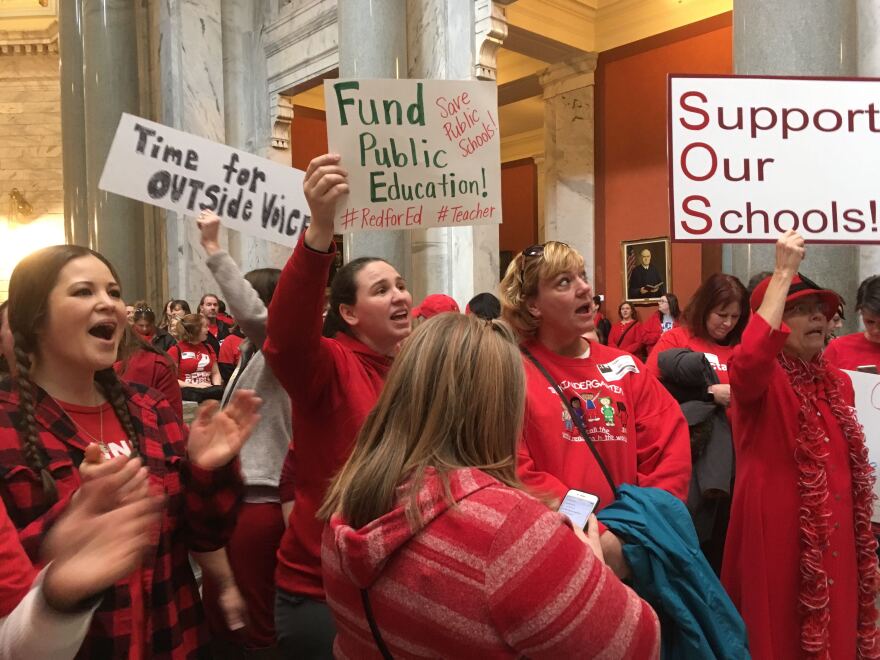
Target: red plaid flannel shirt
(200, 514)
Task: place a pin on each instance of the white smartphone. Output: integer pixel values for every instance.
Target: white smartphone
(579, 506)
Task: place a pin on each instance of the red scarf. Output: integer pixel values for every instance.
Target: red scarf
(810, 380)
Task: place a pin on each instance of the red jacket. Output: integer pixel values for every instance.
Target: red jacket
(634, 423)
(717, 355)
(333, 384)
(631, 342)
(652, 329)
(199, 516)
(851, 351)
(156, 371)
(497, 576)
(762, 554)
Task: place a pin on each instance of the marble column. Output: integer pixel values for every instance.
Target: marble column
(569, 171)
(807, 38)
(246, 105)
(110, 75)
(868, 67)
(442, 44)
(191, 94)
(73, 123)
(372, 44)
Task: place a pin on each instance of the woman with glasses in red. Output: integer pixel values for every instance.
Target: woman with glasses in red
(632, 424)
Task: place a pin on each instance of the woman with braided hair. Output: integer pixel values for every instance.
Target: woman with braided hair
(799, 562)
(67, 406)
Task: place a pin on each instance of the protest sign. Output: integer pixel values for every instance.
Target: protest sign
(867, 387)
(419, 153)
(185, 173)
(751, 157)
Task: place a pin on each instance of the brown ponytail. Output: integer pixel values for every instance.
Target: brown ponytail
(33, 451)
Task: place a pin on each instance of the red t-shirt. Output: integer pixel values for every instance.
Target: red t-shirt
(16, 572)
(717, 355)
(627, 337)
(101, 425)
(195, 362)
(853, 351)
(230, 350)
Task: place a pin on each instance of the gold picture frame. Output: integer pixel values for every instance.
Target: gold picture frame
(647, 269)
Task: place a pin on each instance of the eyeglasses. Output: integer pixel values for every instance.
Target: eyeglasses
(807, 309)
(143, 309)
(532, 251)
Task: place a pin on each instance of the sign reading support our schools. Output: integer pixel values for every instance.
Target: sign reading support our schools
(185, 173)
(867, 389)
(751, 157)
(419, 153)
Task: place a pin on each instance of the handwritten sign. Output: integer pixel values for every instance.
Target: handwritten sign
(750, 157)
(419, 153)
(185, 173)
(867, 388)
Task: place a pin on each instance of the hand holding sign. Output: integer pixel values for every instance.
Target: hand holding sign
(326, 181)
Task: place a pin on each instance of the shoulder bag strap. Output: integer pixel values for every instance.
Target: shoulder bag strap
(628, 328)
(574, 418)
(377, 636)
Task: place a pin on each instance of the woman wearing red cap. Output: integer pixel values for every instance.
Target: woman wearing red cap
(800, 560)
(436, 303)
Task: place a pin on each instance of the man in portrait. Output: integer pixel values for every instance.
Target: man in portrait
(644, 280)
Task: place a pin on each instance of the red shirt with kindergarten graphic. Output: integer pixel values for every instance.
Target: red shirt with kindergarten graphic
(717, 355)
(194, 361)
(634, 423)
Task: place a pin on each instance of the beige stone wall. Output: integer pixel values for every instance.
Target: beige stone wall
(30, 155)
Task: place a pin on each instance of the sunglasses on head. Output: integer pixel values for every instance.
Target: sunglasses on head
(532, 251)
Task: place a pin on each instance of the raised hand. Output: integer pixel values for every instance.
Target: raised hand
(216, 436)
(209, 228)
(790, 252)
(326, 181)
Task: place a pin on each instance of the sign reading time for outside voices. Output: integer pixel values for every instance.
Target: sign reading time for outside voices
(419, 153)
(186, 173)
(751, 157)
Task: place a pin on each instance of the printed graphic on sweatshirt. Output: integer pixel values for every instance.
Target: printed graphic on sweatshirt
(604, 417)
(715, 362)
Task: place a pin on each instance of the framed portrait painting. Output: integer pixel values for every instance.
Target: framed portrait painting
(647, 269)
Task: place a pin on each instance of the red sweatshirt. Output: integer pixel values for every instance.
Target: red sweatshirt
(717, 355)
(631, 342)
(156, 371)
(16, 571)
(634, 423)
(333, 384)
(498, 575)
(853, 351)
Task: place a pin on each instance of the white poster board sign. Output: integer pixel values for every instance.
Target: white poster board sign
(419, 153)
(867, 387)
(750, 157)
(185, 173)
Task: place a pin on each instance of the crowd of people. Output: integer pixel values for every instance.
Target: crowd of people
(292, 471)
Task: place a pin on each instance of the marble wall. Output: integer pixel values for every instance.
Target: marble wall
(30, 156)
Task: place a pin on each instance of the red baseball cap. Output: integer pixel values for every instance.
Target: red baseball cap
(801, 287)
(434, 304)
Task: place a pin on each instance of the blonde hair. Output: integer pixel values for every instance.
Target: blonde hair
(190, 327)
(521, 281)
(453, 399)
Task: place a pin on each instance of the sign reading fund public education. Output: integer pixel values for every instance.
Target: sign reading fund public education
(185, 173)
(867, 403)
(751, 157)
(419, 153)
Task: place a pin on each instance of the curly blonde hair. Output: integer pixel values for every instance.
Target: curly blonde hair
(521, 281)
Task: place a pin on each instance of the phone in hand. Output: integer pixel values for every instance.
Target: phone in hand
(579, 506)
